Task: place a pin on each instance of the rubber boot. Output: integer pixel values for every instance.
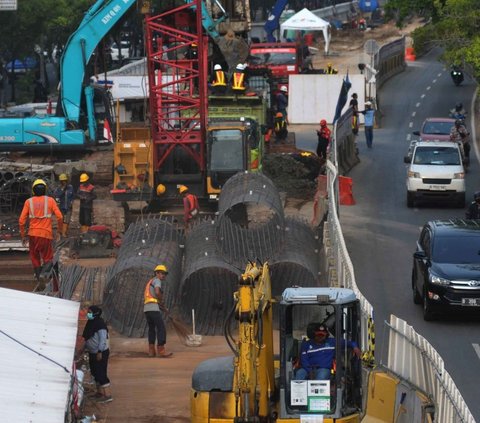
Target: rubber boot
(40, 280)
(162, 352)
(151, 350)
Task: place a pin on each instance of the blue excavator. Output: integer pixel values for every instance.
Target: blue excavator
(82, 108)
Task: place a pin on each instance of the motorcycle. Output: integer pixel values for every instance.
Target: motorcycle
(457, 75)
(458, 113)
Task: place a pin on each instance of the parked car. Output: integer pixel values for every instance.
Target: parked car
(446, 267)
(435, 172)
(21, 66)
(435, 129)
(124, 51)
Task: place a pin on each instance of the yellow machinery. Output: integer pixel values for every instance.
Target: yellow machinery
(253, 386)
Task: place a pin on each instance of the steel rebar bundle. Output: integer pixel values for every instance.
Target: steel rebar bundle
(146, 244)
(208, 281)
(251, 219)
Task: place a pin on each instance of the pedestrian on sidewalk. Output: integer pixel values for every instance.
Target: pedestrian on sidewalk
(369, 114)
(96, 339)
(64, 196)
(153, 302)
(39, 211)
(86, 195)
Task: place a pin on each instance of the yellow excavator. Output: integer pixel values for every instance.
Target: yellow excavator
(261, 382)
(258, 386)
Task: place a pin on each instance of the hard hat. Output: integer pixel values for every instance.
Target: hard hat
(368, 103)
(194, 44)
(329, 64)
(279, 115)
(161, 268)
(284, 88)
(182, 189)
(38, 182)
(217, 67)
(323, 122)
(161, 189)
(63, 177)
(240, 67)
(458, 107)
(84, 177)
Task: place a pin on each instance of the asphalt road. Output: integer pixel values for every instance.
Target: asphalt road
(381, 232)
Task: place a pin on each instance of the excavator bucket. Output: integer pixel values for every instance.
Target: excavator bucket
(234, 49)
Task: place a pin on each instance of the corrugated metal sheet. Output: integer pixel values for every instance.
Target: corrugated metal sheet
(34, 388)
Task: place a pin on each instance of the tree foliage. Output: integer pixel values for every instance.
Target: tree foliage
(452, 24)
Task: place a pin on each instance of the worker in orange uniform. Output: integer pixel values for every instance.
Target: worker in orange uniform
(153, 302)
(39, 210)
(190, 205)
(219, 83)
(86, 195)
(238, 79)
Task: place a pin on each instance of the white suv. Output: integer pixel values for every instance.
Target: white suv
(435, 172)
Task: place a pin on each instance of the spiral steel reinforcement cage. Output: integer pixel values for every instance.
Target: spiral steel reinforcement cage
(147, 243)
(208, 281)
(251, 220)
(15, 188)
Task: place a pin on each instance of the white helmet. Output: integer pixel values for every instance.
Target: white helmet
(240, 67)
(284, 89)
(217, 67)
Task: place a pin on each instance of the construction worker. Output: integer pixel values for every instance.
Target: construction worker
(64, 196)
(86, 195)
(324, 135)
(39, 211)
(153, 302)
(281, 98)
(219, 84)
(330, 70)
(280, 127)
(190, 205)
(238, 79)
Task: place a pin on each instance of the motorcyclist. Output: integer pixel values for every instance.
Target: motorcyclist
(473, 211)
(460, 134)
(458, 112)
(457, 74)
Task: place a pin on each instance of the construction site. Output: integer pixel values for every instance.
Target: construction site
(262, 200)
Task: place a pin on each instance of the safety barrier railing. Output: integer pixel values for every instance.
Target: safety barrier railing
(414, 359)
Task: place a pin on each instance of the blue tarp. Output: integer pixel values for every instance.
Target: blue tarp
(368, 5)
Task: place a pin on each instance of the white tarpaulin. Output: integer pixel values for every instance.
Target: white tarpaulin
(308, 21)
(125, 87)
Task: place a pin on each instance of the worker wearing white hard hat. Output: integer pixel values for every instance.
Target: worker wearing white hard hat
(238, 79)
(219, 83)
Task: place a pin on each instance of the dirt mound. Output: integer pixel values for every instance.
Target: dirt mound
(294, 174)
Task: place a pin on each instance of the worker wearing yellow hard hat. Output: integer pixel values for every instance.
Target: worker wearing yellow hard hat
(39, 211)
(161, 189)
(153, 298)
(86, 195)
(64, 196)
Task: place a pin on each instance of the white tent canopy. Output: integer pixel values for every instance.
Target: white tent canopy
(308, 21)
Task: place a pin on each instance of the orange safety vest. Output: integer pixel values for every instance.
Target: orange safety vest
(192, 204)
(238, 81)
(147, 297)
(219, 79)
(39, 211)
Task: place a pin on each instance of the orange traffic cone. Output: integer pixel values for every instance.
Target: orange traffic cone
(346, 194)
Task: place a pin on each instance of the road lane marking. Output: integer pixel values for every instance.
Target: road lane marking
(434, 81)
(428, 87)
(413, 114)
(417, 105)
(410, 124)
(439, 75)
(476, 347)
(422, 96)
(409, 137)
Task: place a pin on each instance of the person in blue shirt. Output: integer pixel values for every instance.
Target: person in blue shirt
(318, 353)
(64, 196)
(369, 114)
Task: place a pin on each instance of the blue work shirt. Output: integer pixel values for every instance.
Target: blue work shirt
(369, 117)
(64, 197)
(320, 356)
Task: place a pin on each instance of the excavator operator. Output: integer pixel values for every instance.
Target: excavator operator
(318, 353)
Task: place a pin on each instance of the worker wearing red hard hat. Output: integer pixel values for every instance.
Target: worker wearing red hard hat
(324, 135)
(39, 211)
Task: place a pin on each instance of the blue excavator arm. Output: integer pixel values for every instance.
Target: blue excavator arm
(208, 23)
(97, 22)
(273, 21)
